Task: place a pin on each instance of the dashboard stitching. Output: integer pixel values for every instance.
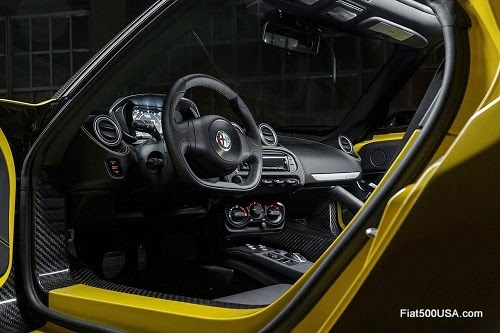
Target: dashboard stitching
(216, 89)
(340, 150)
(127, 149)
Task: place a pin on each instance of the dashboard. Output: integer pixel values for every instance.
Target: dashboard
(130, 155)
(289, 163)
(122, 160)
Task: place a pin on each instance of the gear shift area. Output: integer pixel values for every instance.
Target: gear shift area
(289, 264)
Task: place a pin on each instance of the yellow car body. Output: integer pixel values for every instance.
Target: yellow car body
(470, 149)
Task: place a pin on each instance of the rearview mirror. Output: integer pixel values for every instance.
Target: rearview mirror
(290, 38)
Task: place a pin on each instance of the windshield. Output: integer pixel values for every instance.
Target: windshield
(296, 93)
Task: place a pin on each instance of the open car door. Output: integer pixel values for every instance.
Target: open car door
(20, 124)
(7, 210)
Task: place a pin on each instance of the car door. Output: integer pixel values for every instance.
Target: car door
(7, 202)
(20, 124)
(9, 312)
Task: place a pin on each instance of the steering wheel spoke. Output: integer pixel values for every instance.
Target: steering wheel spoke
(184, 134)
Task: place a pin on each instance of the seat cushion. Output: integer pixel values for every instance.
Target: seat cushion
(261, 296)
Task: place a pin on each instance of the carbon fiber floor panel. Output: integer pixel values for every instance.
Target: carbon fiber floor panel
(11, 320)
(308, 236)
(52, 265)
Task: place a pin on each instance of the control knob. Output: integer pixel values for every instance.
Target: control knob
(256, 211)
(237, 216)
(274, 214)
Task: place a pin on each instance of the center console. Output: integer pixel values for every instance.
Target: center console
(281, 172)
(254, 217)
(290, 265)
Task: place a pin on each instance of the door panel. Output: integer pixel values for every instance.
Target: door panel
(376, 157)
(10, 315)
(20, 123)
(7, 208)
(378, 153)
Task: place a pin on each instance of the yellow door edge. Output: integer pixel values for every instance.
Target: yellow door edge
(379, 138)
(97, 295)
(135, 313)
(491, 89)
(401, 204)
(406, 196)
(357, 147)
(9, 160)
(392, 220)
(340, 219)
(18, 103)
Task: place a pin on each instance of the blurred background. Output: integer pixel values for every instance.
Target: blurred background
(43, 43)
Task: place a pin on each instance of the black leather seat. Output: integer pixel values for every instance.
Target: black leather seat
(261, 296)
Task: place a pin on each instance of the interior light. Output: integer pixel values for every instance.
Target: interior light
(341, 14)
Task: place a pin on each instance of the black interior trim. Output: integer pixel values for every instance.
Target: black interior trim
(377, 157)
(418, 5)
(373, 104)
(348, 200)
(26, 279)
(429, 97)
(257, 297)
(85, 276)
(455, 23)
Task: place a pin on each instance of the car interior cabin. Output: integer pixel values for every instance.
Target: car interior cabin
(218, 157)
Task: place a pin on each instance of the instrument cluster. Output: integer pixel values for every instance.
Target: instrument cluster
(147, 114)
(139, 116)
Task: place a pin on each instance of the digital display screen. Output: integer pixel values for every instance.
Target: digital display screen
(147, 114)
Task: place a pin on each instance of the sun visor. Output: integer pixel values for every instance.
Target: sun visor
(391, 31)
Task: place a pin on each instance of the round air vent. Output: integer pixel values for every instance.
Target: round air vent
(345, 144)
(268, 135)
(107, 131)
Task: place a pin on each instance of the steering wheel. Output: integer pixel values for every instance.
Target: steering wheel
(210, 147)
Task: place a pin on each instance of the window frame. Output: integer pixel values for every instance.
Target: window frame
(10, 89)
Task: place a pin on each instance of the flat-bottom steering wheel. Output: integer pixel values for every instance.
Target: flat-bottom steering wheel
(211, 143)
